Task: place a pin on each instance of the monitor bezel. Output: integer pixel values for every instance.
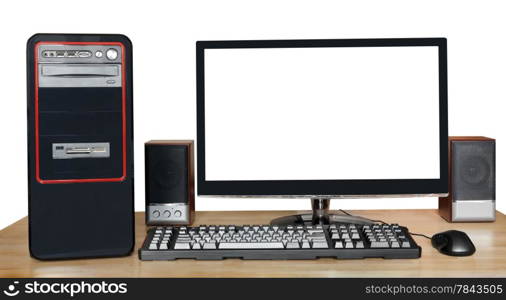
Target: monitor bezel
(323, 188)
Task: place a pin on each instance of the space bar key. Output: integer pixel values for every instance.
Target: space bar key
(271, 245)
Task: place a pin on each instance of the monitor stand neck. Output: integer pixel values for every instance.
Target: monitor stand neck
(320, 208)
(320, 216)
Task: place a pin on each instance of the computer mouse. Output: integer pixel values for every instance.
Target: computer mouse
(453, 243)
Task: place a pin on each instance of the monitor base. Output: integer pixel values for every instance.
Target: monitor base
(320, 216)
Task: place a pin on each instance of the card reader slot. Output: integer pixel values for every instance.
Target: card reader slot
(80, 150)
(88, 150)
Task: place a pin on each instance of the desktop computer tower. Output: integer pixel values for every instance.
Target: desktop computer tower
(80, 146)
(471, 196)
(170, 182)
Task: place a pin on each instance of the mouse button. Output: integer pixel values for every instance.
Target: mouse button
(439, 241)
(461, 244)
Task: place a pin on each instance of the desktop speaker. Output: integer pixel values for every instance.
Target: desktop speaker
(80, 151)
(471, 195)
(170, 183)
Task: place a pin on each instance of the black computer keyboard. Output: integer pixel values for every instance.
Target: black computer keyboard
(214, 242)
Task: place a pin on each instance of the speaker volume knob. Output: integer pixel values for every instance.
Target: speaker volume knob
(177, 213)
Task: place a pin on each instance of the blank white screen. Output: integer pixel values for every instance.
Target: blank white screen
(322, 113)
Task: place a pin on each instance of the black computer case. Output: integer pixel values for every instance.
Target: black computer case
(80, 146)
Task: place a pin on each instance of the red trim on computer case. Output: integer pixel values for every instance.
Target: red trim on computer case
(123, 100)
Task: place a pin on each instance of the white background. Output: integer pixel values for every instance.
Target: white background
(164, 35)
(322, 113)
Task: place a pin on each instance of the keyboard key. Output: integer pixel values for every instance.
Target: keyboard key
(182, 246)
(293, 245)
(271, 245)
(379, 245)
(320, 245)
(209, 246)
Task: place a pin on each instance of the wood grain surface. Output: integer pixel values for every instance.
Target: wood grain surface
(488, 261)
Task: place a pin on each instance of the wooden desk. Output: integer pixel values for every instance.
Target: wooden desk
(488, 261)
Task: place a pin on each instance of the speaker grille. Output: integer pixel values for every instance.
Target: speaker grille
(473, 168)
(167, 174)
